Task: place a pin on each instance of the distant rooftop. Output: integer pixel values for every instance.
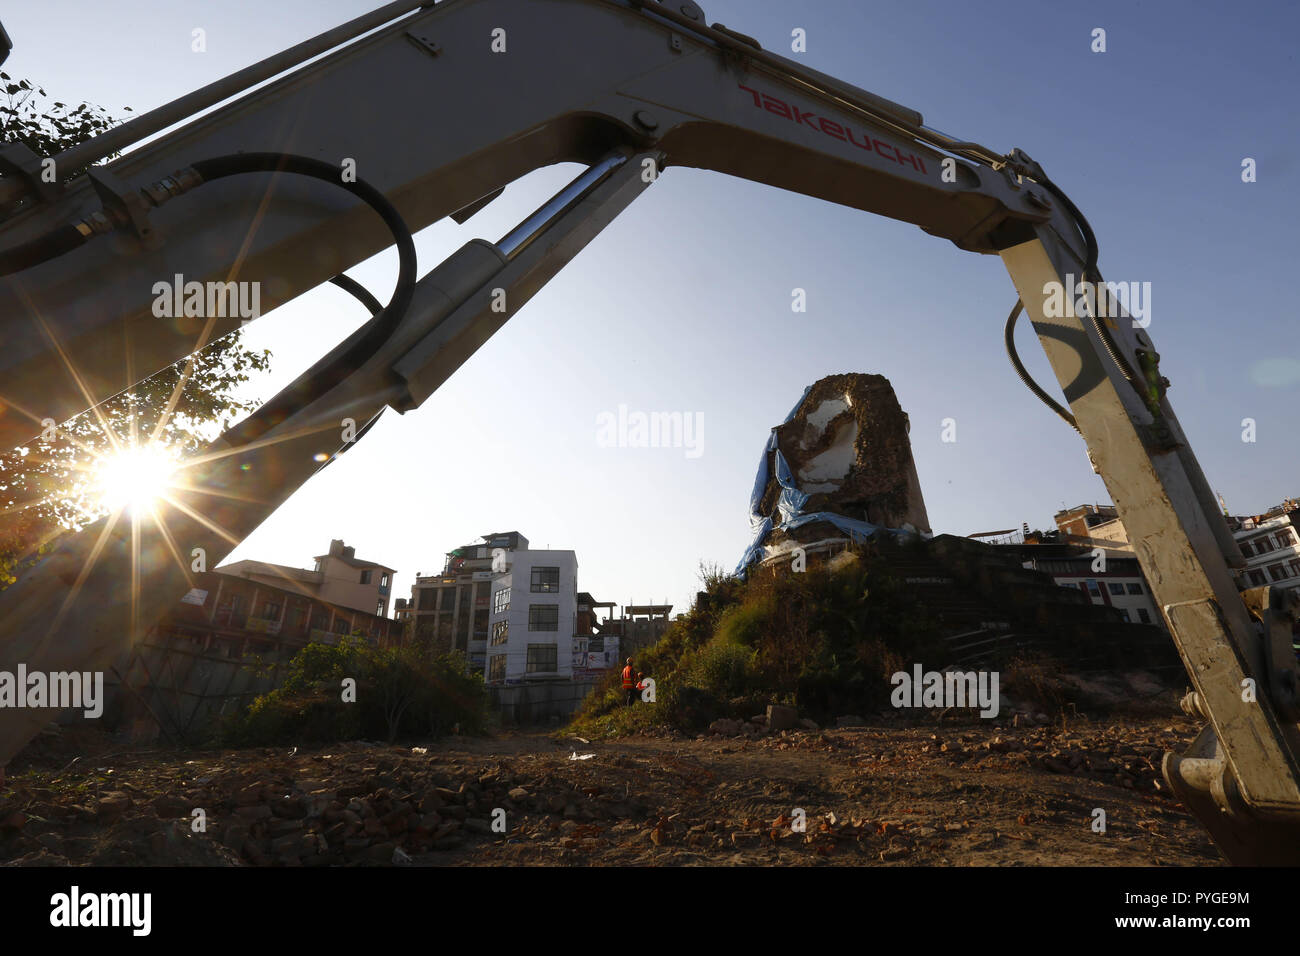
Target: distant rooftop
(348, 555)
(653, 610)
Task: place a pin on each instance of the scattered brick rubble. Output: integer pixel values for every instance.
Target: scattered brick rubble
(871, 794)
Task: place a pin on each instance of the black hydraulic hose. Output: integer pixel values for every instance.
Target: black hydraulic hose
(41, 249)
(362, 295)
(359, 292)
(1150, 391)
(1091, 274)
(1009, 336)
(349, 355)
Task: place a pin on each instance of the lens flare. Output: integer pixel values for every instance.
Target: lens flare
(134, 478)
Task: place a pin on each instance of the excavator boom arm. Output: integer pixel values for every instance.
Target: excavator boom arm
(438, 108)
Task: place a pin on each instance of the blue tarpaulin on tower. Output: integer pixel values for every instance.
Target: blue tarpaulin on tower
(790, 503)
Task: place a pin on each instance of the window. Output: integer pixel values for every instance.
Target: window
(1247, 550)
(501, 601)
(1257, 578)
(383, 580)
(1285, 537)
(379, 609)
(271, 610)
(500, 632)
(543, 617)
(541, 658)
(1263, 545)
(1278, 571)
(545, 580)
(1127, 619)
(497, 667)
(1134, 588)
(1294, 566)
(365, 577)
(1115, 588)
(1093, 590)
(1143, 616)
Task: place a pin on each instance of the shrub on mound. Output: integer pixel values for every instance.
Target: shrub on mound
(826, 640)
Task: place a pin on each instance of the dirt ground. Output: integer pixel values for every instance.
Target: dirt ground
(965, 795)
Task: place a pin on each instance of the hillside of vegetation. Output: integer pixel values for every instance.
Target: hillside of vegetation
(826, 641)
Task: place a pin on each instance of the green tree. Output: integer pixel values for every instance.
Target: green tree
(47, 488)
(410, 691)
(47, 129)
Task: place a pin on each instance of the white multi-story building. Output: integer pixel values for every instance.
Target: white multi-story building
(452, 608)
(1108, 576)
(1271, 546)
(533, 616)
(1270, 543)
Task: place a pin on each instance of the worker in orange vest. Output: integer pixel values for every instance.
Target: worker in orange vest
(629, 683)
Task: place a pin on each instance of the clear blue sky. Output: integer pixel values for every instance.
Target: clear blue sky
(683, 304)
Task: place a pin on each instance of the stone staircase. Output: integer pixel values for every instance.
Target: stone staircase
(991, 608)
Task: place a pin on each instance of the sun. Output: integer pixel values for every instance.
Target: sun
(134, 477)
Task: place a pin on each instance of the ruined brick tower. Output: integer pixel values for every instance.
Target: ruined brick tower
(848, 450)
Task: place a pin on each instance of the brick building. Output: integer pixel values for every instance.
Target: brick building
(221, 645)
(452, 608)
(338, 577)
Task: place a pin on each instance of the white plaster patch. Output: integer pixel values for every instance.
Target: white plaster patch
(824, 471)
(823, 413)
